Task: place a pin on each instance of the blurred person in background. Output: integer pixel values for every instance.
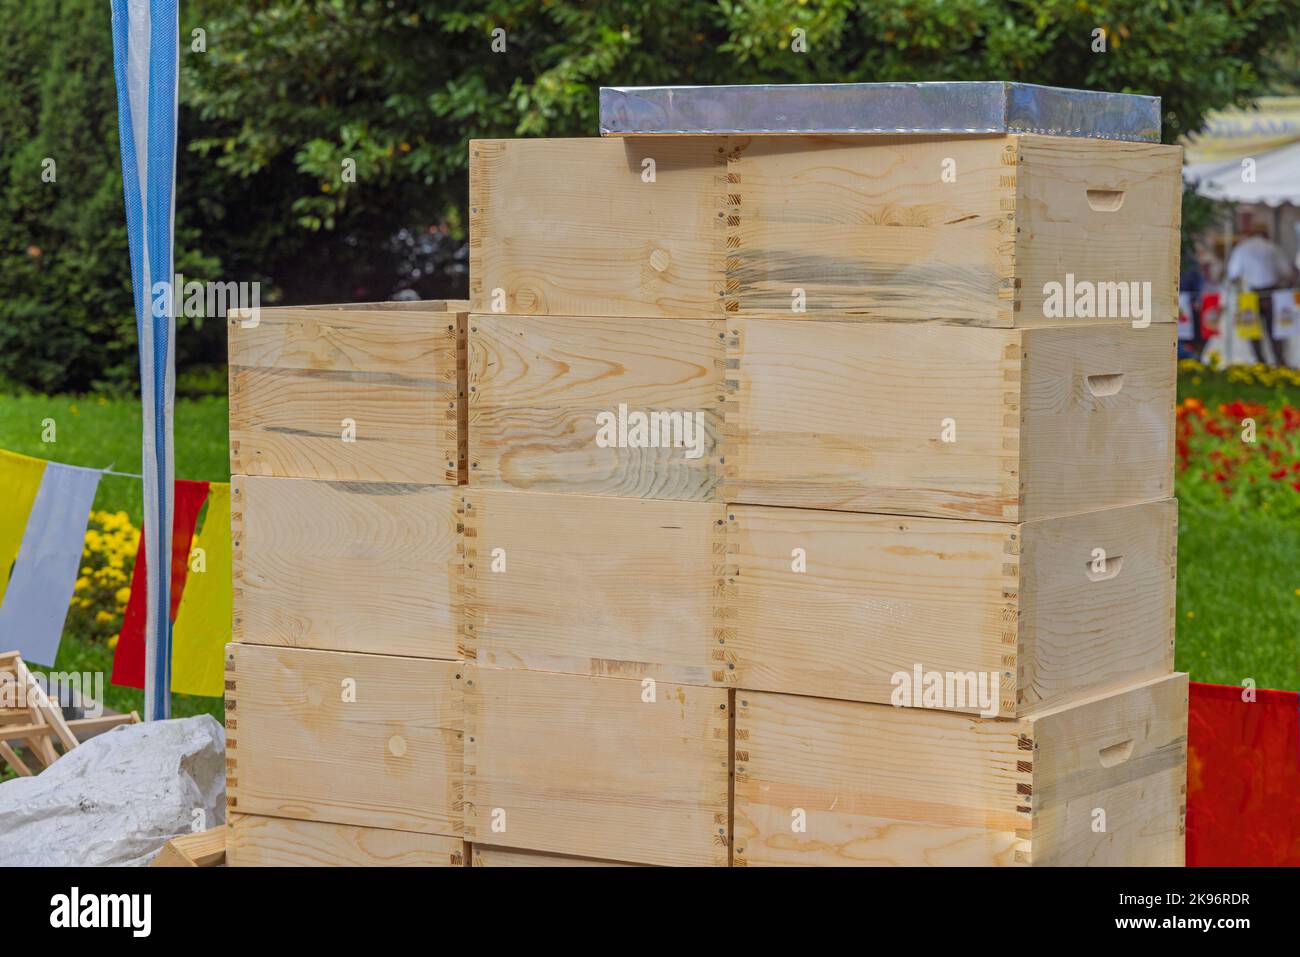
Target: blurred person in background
(1191, 280)
(1257, 264)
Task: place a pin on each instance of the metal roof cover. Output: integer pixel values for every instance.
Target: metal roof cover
(911, 108)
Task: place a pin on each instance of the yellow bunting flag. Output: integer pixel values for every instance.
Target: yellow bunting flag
(203, 620)
(1248, 315)
(20, 479)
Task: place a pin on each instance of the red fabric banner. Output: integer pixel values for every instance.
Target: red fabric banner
(128, 660)
(1243, 778)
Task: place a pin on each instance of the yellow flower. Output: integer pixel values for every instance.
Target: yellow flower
(117, 522)
(123, 595)
(112, 642)
(1191, 614)
(82, 584)
(103, 617)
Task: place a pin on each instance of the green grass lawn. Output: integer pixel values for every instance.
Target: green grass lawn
(1238, 598)
(99, 432)
(1238, 571)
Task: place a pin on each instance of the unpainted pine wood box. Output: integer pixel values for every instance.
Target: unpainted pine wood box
(824, 603)
(606, 768)
(368, 740)
(964, 229)
(539, 387)
(990, 424)
(256, 841)
(590, 584)
(484, 856)
(834, 783)
(346, 566)
(839, 605)
(363, 392)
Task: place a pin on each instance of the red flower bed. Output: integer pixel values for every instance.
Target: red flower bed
(1243, 452)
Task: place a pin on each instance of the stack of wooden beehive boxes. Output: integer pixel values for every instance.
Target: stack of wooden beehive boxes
(774, 476)
(343, 712)
(735, 495)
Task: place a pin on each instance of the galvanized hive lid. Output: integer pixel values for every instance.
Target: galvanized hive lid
(913, 108)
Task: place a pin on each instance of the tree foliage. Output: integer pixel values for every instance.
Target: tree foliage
(288, 97)
(67, 321)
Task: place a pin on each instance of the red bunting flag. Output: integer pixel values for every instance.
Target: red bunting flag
(128, 661)
(1243, 778)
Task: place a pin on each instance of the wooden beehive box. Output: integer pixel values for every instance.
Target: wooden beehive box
(592, 584)
(991, 424)
(967, 229)
(346, 566)
(826, 783)
(365, 392)
(1054, 609)
(607, 768)
(256, 841)
(367, 740)
(817, 602)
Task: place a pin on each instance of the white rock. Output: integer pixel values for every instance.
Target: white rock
(117, 798)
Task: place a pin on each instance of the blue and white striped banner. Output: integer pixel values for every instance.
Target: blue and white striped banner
(146, 56)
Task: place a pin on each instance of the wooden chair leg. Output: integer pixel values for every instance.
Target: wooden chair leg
(52, 713)
(14, 761)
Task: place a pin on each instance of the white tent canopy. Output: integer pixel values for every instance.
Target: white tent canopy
(1274, 181)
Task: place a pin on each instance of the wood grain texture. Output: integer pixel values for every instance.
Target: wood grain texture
(881, 595)
(346, 566)
(589, 584)
(371, 740)
(256, 841)
(836, 415)
(585, 766)
(484, 856)
(395, 370)
(1088, 624)
(569, 227)
(852, 416)
(200, 849)
(538, 385)
(1060, 229)
(1123, 754)
(878, 785)
(1097, 417)
(866, 227)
